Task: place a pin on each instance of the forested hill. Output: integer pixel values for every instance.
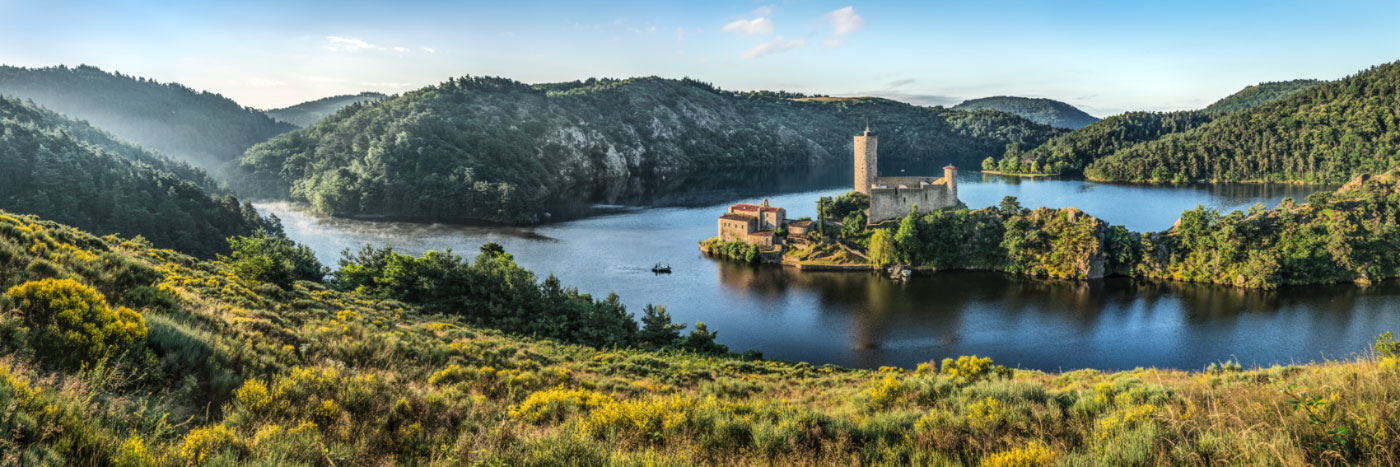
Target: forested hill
(308, 113)
(70, 172)
(498, 150)
(1046, 111)
(1069, 153)
(202, 128)
(1259, 94)
(1326, 133)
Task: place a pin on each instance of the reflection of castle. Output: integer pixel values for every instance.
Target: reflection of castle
(891, 197)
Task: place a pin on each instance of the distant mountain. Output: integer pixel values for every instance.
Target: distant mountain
(1325, 133)
(499, 150)
(1259, 94)
(1044, 111)
(201, 128)
(70, 172)
(308, 113)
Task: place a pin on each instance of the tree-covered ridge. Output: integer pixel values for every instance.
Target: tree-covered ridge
(1040, 110)
(174, 361)
(199, 127)
(1326, 133)
(1259, 94)
(499, 150)
(73, 173)
(308, 113)
(1069, 153)
(1349, 235)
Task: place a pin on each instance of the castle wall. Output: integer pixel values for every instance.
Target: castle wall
(893, 203)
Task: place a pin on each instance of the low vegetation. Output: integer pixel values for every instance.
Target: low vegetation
(189, 362)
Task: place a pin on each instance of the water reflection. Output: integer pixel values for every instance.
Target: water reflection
(862, 320)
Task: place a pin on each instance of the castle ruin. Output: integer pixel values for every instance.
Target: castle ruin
(892, 197)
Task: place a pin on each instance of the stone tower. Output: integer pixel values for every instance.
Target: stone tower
(866, 164)
(950, 174)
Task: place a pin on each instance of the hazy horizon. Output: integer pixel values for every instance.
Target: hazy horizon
(1102, 57)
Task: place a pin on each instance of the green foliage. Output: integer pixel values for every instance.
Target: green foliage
(1043, 111)
(505, 151)
(1070, 153)
(882, 248)
(72, 324)
(201, 128)
(734, 250)
(70, 172)
(1259, 94)
(657, 330)
(492, 291)
(1326, 133)
(274, 260)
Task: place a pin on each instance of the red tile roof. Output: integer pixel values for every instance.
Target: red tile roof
(752, 207)
(736, 217)
(761, 233)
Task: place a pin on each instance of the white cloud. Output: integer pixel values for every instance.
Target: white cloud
(337, 43)
(350, 44)
(751, 27)
(429, 50)
(772, 47)
(680, 34)
(844, 22)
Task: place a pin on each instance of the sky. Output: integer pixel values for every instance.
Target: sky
(1105, 57)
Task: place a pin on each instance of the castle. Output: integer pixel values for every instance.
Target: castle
(891, 197)
(754, 224)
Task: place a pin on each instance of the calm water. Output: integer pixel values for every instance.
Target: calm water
(861, 320)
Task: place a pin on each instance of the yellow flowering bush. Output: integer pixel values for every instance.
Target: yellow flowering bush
(648, 419)
(1035, 454)
(886, 392)
(555, 404)
(202, 443)
(73, 322)
(972, 369)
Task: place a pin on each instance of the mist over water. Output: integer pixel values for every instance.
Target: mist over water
(860, 320)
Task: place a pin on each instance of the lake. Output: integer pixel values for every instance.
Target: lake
(861, 320)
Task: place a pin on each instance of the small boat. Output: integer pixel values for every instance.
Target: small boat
(659, 269)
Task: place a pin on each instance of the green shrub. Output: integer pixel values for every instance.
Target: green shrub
(274, 260)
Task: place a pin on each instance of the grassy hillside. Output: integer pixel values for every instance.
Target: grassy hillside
(1325, 133)
(73, 173)
(308, 113)
(498, 150)
(201, 128)
(1044, 111)
(1259, 94)
(175, 361)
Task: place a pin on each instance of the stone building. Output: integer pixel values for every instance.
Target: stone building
(891, 197)
(752, 223)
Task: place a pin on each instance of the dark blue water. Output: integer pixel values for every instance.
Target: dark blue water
(860, 320)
